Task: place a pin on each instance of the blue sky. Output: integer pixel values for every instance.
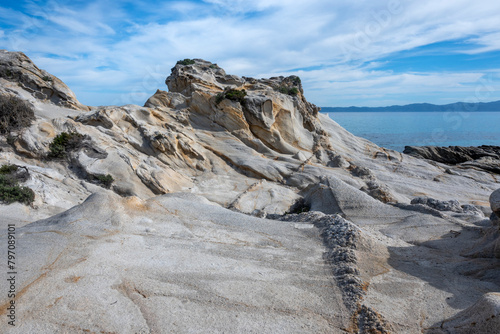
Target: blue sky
(362, 53)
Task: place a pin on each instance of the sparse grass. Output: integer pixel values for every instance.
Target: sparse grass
(15, 114)
(186, 61)
(10, 191)
(64, 143)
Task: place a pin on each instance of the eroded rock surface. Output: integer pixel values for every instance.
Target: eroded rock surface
(485, 157)
(392, 243)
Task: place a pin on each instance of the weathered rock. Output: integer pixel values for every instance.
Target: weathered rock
(379, 191)
(16, 67)
(482, 317)
(451, 205)
(147, 262)
(484, 157)
(495, 202)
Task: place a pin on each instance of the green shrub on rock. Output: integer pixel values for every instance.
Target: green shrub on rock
(10, 191)
(15, 114)
(64, 143)
(105, 180)
(186, 61)
(8, 169)
(231, 94)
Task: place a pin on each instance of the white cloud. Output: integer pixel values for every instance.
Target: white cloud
(263, 37)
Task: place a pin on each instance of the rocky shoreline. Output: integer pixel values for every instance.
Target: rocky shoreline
(230, 204)
(484, 157)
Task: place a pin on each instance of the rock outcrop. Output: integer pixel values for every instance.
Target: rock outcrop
(495, 204)
(188, 215)
(483, 157)
(16, 67)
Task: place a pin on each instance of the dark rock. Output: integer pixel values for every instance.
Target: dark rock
(484, 157)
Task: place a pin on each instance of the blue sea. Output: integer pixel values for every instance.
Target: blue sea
(395, 130)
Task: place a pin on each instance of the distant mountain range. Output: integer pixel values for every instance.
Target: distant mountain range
(458, 106)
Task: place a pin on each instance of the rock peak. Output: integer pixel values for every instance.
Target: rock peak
(17, 67)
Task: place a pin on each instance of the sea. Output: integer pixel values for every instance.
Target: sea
(395, 130)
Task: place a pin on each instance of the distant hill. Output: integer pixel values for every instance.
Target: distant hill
(458, 106)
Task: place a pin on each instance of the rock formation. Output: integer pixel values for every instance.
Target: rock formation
(484, 157)
(204, 226)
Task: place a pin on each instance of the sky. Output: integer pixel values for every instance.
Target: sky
(347, 53)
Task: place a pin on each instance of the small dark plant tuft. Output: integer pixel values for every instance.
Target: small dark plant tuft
(219, 97)
(186, 61)
(47, 78)
(7, 74)
(15, 114)
(64, 143)
(299, 207)
(10, 191)
(106, 180)
(11, 140)
(101, 179)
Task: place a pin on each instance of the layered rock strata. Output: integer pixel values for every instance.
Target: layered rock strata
(201, 230)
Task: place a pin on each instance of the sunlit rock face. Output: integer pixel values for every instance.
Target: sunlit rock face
(235, 205)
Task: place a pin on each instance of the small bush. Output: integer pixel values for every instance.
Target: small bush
(288, 90)
(236, 95)
(101, 179)
(46, 78)
(105, 180)
(15, 114)
(295, 80)
(231, 94)
(10, 191)
(186, 61)
(214, 66)
(8, 169)
(64, 143)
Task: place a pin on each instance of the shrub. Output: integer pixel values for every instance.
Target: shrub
(293, 91)
(64, 143)
(186, 61)
(101, 179)
(15, 114)
(46, 78)
(288, 90)
(236, 95)
(295, 80)
(231, 94)
(105, 180)
(8, 169)
(10, 191)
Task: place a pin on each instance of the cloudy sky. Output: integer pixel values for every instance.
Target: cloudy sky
(362, 53)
